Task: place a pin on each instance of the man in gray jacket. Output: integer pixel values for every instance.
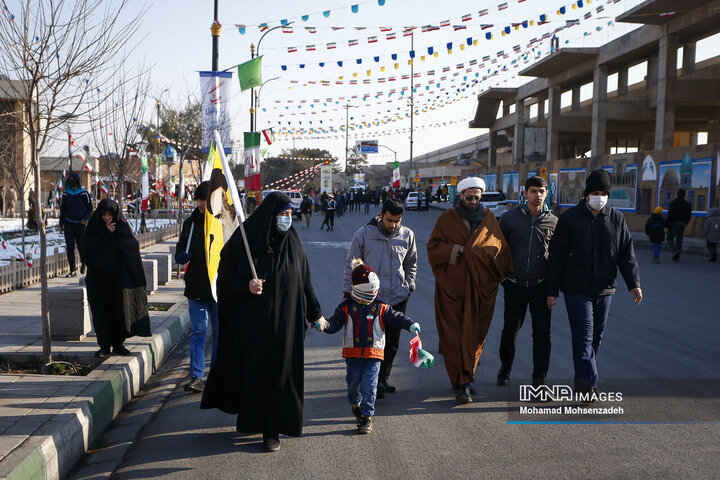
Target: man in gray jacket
(389, 248)
(527, 229)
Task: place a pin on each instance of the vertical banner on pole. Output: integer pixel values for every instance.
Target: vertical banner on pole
(326, 178)
(215, 93)
(252, 161)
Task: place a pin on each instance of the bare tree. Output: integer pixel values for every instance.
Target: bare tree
(117, 127)
(60, 51)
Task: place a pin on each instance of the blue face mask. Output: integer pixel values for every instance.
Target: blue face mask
(284, 223)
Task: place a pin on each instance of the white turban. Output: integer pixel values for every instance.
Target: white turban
(471, 182)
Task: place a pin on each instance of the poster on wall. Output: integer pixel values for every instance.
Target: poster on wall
(532, 173)
(623, 178)
(511, 186)
(692, 174)
(490, 181)
(571, 186)
(552, 190)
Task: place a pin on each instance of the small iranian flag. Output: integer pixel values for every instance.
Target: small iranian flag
(269, 136)
(252, 161)
(88, 167)
(396, 175)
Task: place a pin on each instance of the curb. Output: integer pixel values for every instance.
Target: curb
(57, 445)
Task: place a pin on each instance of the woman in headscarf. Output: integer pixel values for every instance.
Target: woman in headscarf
(258, 372)
(115, 280)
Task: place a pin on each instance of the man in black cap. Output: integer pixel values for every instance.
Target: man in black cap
(201, 303)
(591, 242)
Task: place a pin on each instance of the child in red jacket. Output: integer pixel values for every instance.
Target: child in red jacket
(364, 319)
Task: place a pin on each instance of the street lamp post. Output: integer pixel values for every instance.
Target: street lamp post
(255, 52)
(257, 100)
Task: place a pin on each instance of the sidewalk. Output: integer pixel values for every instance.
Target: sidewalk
(691, 245)
(47, 422)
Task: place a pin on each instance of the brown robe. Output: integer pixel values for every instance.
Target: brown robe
(465, 287)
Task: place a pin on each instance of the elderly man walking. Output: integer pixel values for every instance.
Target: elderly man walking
(389, 249)
(469, 257)
(591, 243)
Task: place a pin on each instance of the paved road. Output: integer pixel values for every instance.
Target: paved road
(663, 355)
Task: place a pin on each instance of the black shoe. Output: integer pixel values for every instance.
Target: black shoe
(103, 353)
(71, 274)
(503, 376)
(82, 269)
(464, 396)
(380, 390)
(271, 443)
(357, 412)
(389, 387)
(194, 385)
(676, 257)
(592, 395)
(122, 351)
(364, 425)
(713, 258)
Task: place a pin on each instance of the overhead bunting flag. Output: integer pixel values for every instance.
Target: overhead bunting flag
(396, 175)
(252, 161)
(249, 73)
(220, 219)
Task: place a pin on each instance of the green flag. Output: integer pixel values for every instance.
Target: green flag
(249, 74)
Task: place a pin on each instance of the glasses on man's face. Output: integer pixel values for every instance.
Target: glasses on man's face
(470, 198)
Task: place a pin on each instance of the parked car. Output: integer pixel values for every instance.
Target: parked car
(416, 200)
(495, 201)
(296, 199)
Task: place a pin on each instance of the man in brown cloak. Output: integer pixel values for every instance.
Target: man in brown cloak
(469, 258)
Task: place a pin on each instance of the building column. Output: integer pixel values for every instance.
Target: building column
(652, 70)
(688, 65)
(519, 135)
(598, 142)
(541, 108)
(492, 149)
(665, 104)
(622, 87)
(575, 98)
(553, 117)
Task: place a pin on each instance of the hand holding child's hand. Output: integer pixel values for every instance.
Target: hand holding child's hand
(320, 324)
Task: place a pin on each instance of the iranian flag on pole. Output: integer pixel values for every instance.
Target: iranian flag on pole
(252, 161)
(145, 183)
(396, 175)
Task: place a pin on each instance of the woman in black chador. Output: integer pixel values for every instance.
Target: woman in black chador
(258, 372)
(115, 280)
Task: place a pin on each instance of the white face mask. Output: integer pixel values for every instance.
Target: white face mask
(597, 202)
(283, 223)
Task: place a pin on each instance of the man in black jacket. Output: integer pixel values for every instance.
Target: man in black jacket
(679, 214)
(201, 303)
(591, 242)
(528, 230)
(75, 209)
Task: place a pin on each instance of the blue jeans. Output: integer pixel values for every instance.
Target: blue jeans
(362, 379)
(200, 313)
(656, 250)
(588, 317)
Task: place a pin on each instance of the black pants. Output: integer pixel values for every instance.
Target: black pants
(517, 299)
(392, 343)
(329, 220)
(675, 234)
(74, 233)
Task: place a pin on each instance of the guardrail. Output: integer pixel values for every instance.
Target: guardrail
(18, 275)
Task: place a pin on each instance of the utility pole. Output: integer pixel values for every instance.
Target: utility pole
(347, 117)
(215, 32)
(412, 96)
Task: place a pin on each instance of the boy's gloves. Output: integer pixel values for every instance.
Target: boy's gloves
(415, 328)
(183, 257)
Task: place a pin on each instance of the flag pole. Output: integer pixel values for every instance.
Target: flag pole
(235, 199)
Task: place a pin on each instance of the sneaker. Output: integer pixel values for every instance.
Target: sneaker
(194, 385)
(122, 351)
(364, 425)
(657, 260)
(71, 274)
(503, 376)
(271, 443)
(103, 353)
(676, 257)
(357, 412)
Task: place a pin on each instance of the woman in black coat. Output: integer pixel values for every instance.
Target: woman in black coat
(115, 280)
(259, 369)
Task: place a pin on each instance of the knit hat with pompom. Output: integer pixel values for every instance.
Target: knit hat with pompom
(365, 282)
